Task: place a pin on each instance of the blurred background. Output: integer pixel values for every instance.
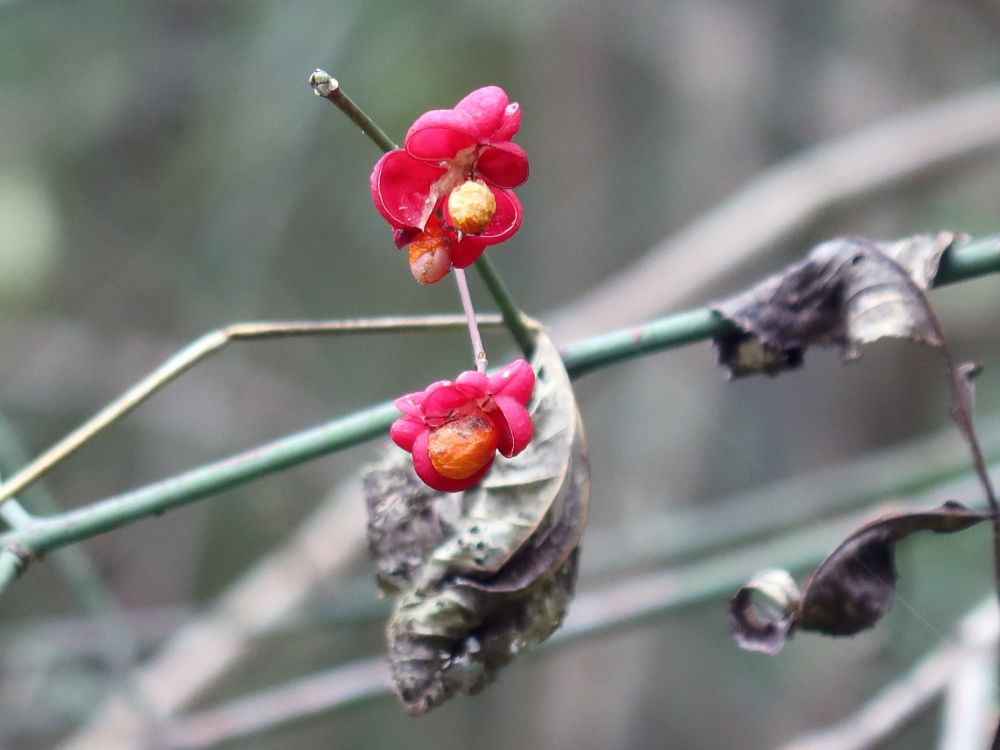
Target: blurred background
(165, 169)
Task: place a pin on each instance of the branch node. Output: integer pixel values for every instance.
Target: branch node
(23, 555)
(323, 83)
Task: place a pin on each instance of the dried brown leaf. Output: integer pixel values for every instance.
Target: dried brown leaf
(849, 591)
(847, 292)
(483, 574)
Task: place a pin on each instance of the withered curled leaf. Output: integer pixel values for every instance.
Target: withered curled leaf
(849, 591)
(847, 292)
(483, 574)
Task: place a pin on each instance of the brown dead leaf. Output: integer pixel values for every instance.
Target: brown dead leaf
(483, 574)
(849, 591)
(847, 292)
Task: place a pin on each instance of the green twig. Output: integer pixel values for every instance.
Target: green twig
(328, 87)
(926, 468)
(969, 259)
(672, 331)
(49, 533)
(973, 258)
(963, 261)
(513, 317)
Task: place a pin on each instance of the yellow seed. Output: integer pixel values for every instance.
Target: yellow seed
(471, 206)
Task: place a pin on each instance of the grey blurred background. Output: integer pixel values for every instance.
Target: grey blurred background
(165, 169)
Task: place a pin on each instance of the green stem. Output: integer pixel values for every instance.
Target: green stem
(670, 332)
(968, 260)
(328, 87)
(514, 318)
(48, 533)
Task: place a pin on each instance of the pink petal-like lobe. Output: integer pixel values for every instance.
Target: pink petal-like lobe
(465, 252)
(485, 109)
(516, 380)
(503, 164)
(400, 185)
(412, 404)
(404, 432)
(519, 426)
(444, 403)
(507, 219)
(510, 124)
(473, 383)
(441, 133)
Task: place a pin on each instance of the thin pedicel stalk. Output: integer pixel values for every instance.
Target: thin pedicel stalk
(328, 87)
(478, 351)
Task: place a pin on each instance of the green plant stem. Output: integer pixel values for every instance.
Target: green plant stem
(48, 533)
(968, 260)
(974, 258)
(328, 87)
(670, 332)
(516, 321)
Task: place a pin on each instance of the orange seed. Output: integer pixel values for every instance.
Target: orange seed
(461, 447)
